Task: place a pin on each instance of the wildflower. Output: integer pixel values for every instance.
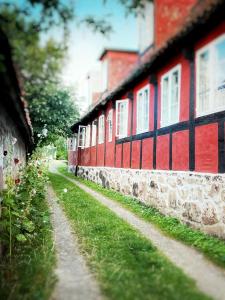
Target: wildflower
(17, 181)
(16, 161)
(33, 192)
(65, 190)
(14, 140)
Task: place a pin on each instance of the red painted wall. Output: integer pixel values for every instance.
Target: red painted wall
(135, 162)
(126, 155)
(118, 155)
(162, 152)
(206, 148)
(180, 150)
(147, 153)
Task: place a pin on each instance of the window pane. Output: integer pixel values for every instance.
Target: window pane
(219, 86)
(204, 84)
(165, 101)
(145, 110)
(174, 98)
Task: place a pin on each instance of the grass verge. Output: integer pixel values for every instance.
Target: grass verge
(213, 248)
(30, 273)
(126, 264)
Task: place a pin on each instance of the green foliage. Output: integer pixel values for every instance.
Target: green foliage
(126, 264)
(51, 110)
(212, 247)
(61, 149)
(26, 270)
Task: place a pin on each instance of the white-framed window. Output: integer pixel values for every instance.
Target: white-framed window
(210, 77)
(122, 118)
(101, 129)
(143, 109)
(110, 125)
(81, 136)
(87, 136)
(170, 96)
(93, 133)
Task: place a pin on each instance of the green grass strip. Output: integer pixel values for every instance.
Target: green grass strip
(126, 264)
(212, 247)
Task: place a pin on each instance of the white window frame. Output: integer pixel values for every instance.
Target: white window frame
(110, 125)
(169, 75)
(101, 129)
(87, 136)
(142, 92)
(118, 134)
(211, 48)
(81, 136)
(93, 133)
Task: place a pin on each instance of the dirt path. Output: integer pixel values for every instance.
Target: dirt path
(75, 282)
(209, 278)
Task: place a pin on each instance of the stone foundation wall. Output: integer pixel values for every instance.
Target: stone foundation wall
(196, 199)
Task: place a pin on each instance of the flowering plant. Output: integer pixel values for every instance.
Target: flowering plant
(20, 220)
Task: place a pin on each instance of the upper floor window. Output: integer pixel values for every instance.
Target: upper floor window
(170, 96)
(93, 133)
(87, 136)
(101, 129)
(81, 136)
(146, 26)
(121, 118)
(110, 125)
(210, 79)
(143, 110)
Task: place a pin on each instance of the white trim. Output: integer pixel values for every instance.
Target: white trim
(209, 47)
(126, 118)
(93, 133)
(110, 120)
(101, 131)
(81, 136)
(141, 91)
(169, 74)
(87, 136)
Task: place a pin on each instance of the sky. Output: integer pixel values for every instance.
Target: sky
(85, 47)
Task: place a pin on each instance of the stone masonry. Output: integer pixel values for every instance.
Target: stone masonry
(197, 199)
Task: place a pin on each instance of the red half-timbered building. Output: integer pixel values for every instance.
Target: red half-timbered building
(159, 133)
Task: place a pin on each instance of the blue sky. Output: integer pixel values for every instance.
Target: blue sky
(85, 46)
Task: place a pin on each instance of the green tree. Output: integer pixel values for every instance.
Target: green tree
(52, 112)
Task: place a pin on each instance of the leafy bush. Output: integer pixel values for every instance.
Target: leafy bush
(26, 238)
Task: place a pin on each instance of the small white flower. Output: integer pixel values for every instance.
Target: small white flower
(65, 190)
(14, 140)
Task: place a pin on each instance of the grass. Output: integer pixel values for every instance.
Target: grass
(30, 273)
(213, 248)
(127, 265)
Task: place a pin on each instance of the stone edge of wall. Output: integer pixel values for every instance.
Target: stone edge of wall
(197, 199)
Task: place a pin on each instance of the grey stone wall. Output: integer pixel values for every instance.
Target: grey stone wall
(194, 198)
(11, 143)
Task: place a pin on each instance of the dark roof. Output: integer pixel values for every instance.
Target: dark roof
(116, 50)
(204, 16)
(11, 92)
